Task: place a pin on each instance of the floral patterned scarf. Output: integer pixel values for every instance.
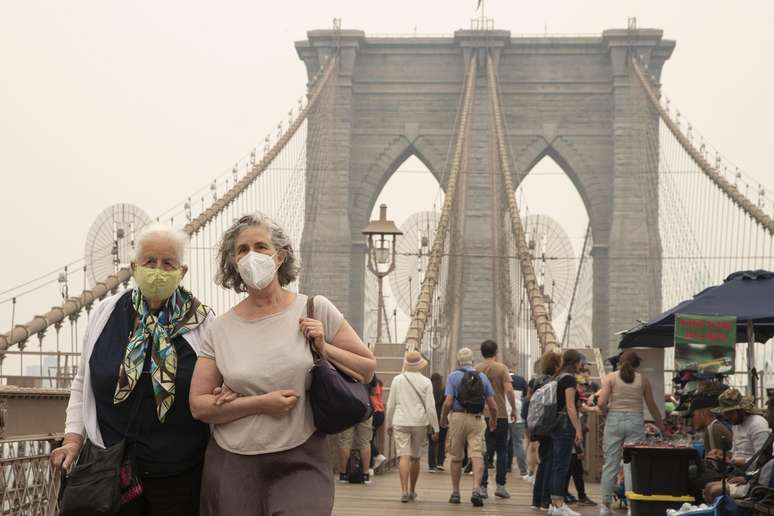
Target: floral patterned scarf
(181, 313)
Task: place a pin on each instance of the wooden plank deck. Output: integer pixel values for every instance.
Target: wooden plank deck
(382, 497)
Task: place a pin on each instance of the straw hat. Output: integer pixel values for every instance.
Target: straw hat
(732, 399)
(413, 361)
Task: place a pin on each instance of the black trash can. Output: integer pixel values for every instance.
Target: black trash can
(660, 470)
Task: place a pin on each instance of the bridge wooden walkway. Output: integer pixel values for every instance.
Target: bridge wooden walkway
(382, 498)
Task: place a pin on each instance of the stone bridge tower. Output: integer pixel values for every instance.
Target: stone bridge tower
(565, 97)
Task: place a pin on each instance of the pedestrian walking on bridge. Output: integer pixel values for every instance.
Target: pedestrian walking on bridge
(497, 439)
(410, 410)
(467, 392)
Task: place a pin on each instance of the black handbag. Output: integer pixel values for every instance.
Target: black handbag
(338, 401)
(93, 487)
(103, 478)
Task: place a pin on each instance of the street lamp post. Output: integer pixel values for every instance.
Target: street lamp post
(382, 234)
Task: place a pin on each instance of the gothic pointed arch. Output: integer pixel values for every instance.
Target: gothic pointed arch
(387, 161)
(582, 175)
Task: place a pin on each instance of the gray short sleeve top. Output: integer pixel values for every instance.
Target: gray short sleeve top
(264, 355)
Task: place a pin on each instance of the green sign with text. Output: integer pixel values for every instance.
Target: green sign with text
(705, 343)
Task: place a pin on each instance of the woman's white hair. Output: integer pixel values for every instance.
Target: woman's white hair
(157, 229)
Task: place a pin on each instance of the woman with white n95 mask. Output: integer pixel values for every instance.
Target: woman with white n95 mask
(264, 443)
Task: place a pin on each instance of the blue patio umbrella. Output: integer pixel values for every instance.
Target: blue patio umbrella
(747, 295)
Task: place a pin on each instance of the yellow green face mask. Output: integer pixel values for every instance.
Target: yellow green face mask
(157, 284)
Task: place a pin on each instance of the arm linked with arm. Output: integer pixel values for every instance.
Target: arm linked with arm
(206, 378)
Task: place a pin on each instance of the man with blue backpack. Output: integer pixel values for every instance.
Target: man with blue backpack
(467, 393)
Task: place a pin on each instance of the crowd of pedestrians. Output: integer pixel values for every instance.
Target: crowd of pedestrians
(483, 408)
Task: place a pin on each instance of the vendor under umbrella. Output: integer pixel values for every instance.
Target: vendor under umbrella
(717, 439)
(751, 432)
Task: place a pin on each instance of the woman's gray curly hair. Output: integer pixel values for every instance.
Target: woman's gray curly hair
(228, 275)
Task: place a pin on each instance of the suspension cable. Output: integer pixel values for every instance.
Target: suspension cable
(537, 303)
(423, 308)
(713, 173)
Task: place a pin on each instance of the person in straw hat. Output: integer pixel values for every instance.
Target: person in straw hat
(410, 410)
(750, 431)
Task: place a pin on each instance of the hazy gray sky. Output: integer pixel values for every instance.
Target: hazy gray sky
(142, 102)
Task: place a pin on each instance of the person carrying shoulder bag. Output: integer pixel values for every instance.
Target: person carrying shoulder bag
(410, 410)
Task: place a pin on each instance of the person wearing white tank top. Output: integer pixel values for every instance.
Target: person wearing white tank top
(623, 395)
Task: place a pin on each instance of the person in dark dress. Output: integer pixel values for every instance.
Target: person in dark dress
(436, 450)
(133, 380)
(567, 433)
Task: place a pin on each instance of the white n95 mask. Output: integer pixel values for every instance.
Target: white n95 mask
(257, 270)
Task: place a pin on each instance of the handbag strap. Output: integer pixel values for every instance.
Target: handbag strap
(310, 315)
(421, 400)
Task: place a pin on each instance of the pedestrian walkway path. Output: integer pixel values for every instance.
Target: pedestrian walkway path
(382, 498)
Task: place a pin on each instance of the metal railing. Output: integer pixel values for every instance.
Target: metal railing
(29, 486)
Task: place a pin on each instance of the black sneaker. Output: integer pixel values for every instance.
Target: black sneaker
(366, 478)
(454, 498)
(588, 502)
(476, 500)
(343, 478)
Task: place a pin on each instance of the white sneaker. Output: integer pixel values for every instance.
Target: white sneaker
(563, 510)
(550, 510)
(526, 478)
(604, 510)
(379, 460)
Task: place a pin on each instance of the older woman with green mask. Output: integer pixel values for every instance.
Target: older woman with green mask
(139, 352)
